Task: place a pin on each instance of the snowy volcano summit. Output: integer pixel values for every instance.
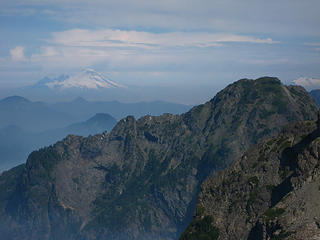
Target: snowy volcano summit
(87, 79)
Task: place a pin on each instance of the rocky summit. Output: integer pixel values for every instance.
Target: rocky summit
(272, 192)
(141, 181)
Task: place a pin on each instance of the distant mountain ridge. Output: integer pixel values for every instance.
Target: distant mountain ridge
(99, 123)
(16, 143)
(14, 100)
(25, 125)
(81, 107)
(31, 116)
(141, 180)
(41, 116)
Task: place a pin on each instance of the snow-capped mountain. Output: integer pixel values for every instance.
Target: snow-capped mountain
(87, 79)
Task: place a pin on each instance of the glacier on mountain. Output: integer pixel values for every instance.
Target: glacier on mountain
(87, 79)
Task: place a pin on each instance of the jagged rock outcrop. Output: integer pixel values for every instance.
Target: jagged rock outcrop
(141, 180)
(272, 192)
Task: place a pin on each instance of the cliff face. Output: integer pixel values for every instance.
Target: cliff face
(272, 192)
(316, 96)
(141, 180)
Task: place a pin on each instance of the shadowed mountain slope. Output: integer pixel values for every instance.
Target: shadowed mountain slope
(272, 192)
(316, 96)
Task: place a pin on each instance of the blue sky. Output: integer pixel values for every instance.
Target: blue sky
(168, 43)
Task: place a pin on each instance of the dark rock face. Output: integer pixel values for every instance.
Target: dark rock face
(272, 192)
(316, 96)
(141, 181)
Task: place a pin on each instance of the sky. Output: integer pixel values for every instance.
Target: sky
(167, 43)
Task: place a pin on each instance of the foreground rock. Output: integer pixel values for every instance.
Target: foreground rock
(272, 192)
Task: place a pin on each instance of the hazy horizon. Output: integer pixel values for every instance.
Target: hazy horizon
(197, 46)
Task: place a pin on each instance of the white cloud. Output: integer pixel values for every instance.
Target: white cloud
(147, 40)
(120, 49)
(17, 53)
(308, 82)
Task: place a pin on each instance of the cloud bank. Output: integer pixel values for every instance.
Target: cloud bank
(123, 50)
(308, 82)
(136, 39)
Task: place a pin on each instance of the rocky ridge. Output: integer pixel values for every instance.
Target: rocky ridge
(272, 192)
(141, 180)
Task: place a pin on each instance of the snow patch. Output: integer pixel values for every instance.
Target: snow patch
(88, 78)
